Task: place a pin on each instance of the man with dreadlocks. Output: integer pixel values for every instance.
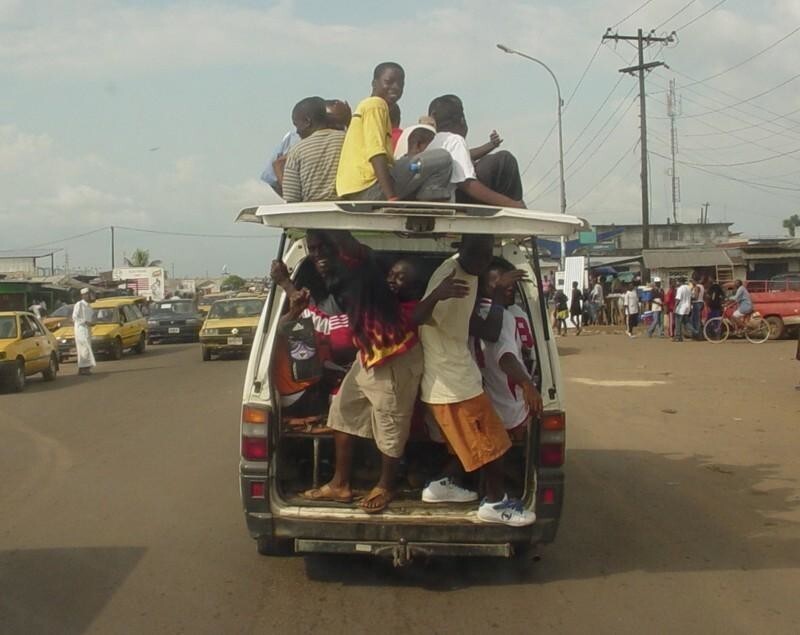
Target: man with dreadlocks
(377, 396)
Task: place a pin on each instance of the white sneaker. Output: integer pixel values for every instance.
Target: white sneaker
(506, 512)
(446, 491)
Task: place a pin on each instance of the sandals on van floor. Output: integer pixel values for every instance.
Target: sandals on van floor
(377, 500)
(326, 493)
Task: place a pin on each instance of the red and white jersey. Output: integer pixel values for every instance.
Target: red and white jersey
(515, 335)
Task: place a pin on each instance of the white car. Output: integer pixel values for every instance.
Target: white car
(279, 461)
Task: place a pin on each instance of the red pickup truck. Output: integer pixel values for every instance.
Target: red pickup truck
(778, 300)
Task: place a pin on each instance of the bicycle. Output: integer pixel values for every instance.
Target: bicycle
(755, 329)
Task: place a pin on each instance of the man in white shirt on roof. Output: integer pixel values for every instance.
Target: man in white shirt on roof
(448, 112)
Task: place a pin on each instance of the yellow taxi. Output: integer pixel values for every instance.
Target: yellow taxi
(58, 318)
(118, 325)
(230, 326)
(26, 348)
(205, 301)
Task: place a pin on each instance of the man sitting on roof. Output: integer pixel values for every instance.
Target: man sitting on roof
(310, 171)
(367, 170)
(494, 180)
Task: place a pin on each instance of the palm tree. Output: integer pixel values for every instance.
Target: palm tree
(141, 258)
(791, 224)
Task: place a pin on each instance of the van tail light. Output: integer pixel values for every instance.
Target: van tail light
(552, 439)
(255, 433)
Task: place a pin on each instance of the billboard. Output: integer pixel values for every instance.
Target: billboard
(147, 282)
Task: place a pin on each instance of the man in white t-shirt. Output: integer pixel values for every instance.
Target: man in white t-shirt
(452, 386)
(631, 304)
(698, 304)
(683, 309)
(505, 364)
(469, 185)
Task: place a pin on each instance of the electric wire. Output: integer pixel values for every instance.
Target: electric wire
(675, 15)
(606, 175)
(631, 14)
(702, 15)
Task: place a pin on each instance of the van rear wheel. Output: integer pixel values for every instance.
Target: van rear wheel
(272, 546)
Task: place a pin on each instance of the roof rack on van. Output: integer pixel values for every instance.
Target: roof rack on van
(416, 217)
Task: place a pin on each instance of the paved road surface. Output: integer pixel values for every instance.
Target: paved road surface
(119, 508)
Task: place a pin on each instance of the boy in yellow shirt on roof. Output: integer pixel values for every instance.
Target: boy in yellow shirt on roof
(367, 170)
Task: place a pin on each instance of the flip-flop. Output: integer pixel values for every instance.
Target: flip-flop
(387, 496)
(325, 493)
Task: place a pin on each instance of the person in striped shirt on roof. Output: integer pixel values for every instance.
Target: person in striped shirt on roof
(311, 165)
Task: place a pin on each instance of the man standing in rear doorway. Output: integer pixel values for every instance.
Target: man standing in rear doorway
(82, 317)
(452, 385)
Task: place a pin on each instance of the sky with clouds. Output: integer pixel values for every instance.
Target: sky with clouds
(159, 116)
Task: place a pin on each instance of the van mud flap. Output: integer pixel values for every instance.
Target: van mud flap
(402, 552)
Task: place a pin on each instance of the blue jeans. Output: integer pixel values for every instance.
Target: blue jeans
(656, 324)
(681, 322)
(697, 317)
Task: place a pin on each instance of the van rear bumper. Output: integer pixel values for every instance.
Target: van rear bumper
(324, 533)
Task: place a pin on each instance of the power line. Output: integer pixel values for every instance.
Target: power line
(762, 160)
(185, 234)
(607, 174)
(745, 61)
(702, 15)
(632, 13)
(744, 101)
(59, 240)
(676, 14)
(731, 178)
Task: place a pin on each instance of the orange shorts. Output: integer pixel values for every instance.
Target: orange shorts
(472, 430)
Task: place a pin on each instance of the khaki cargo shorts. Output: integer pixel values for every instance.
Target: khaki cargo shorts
(377, 403)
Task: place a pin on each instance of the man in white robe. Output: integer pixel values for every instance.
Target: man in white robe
(82, 317)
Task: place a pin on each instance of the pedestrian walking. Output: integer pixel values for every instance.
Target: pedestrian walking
(575, 310)
(631, 302)
(698, 304)
(561, 311)
(82, 317)
(669, 308)
(683, 310)
(656, 306)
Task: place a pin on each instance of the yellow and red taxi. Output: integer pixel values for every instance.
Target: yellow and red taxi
(230, 325)
(26, 348)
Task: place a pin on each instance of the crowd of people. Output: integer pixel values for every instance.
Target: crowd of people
(679, 311)
(333, 153)
(365, 341)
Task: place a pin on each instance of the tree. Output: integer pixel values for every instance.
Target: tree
(791, 224)
(233, 283)
(141, 258)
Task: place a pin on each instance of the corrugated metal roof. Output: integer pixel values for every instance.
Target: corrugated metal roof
(686, 258)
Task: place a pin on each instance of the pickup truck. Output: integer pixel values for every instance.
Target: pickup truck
(778, 301)
(279, 461)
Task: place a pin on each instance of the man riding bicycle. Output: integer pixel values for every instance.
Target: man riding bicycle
(744, 305)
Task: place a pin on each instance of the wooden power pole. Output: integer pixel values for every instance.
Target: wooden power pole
(643, 41)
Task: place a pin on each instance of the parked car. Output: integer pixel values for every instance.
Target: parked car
(230, 326)
(174, 320)
(58, 318)
(278, 460)
(118, 325)
(26, 348)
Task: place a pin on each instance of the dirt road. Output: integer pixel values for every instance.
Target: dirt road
(119, 508)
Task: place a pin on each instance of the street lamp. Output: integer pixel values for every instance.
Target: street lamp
(511, 51)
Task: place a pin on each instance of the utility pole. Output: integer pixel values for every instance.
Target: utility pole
(641, 42)
(112, 248)
(673, 110)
